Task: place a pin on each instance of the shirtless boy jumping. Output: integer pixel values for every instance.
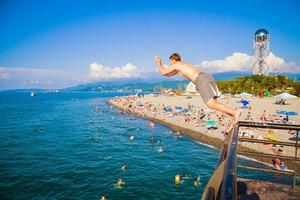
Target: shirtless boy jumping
(203, 81)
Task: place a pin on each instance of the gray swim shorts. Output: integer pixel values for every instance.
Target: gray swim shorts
(207, 87)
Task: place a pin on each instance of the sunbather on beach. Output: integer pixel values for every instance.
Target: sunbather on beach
(203, 81)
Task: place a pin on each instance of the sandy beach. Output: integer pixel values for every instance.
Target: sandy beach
(190, 116)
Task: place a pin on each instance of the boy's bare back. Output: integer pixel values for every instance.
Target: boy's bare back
(187, 70)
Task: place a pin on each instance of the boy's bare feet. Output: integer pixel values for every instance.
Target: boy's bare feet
(228, 127)
(236, 117)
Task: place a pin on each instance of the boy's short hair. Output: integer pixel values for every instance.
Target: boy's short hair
(175, 56)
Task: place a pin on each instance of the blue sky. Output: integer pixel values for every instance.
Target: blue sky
(51, 44)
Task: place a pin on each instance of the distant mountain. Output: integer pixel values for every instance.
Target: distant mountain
(128, 86)
(147, 85)
(25, 90)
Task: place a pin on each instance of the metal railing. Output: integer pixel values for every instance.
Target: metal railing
(223, 183)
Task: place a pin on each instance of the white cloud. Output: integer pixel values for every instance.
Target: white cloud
(236, 62)
(101, 72)
(243, 62)
(22, 77)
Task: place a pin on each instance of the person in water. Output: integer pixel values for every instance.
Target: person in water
(159, 141)
(196, 181)
(120, 182)
(185, 176)
(152, 140)
(103, 198)
(124, 167)
(204, 82)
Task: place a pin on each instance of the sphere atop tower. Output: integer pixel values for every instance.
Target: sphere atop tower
(261, 32)
(261, 35)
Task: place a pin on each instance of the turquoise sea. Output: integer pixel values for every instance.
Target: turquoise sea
(72, 146)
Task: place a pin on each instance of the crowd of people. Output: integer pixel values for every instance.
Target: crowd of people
(206, 119)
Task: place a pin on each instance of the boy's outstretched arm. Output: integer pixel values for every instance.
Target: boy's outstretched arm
(170, 71)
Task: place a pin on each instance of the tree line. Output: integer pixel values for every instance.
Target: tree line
(257, 84)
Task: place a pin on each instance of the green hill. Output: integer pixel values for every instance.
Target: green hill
(259, 84)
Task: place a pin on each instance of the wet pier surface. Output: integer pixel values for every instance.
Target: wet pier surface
(263, 190)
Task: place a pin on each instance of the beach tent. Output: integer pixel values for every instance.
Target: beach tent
(267, 94)
(191, 88)
(245, 95)
(285, 96)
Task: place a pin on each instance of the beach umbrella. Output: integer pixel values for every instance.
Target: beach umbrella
(245, 102)
(291, 113)
(282, 112)
(285, 96)
(184, 111)
(178, 107)
(245, 95)
(211, 123)
(168, 110)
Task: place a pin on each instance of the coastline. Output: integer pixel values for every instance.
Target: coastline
(197, 135)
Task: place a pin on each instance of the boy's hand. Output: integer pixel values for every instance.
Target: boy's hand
(158, 59)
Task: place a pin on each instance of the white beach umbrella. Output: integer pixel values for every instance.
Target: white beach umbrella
(208, 110)
(245, 95)
(285, 96)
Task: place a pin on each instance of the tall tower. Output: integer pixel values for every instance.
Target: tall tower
(261, 51)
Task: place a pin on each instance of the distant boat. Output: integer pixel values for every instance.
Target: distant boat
(52, 90)
(33, 94)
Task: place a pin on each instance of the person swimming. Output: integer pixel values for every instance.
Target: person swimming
(159, 141)
(160, 150)
(103, 198)
(185, 176)
(152, 140)
(152, 125)
(196, 181)
(177, 179)
(124, 167)
(120, 182)
(132, 138)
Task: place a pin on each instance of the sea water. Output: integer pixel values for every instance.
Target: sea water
(72, 145)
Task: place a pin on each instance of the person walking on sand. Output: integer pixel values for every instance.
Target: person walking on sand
(205, 84)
